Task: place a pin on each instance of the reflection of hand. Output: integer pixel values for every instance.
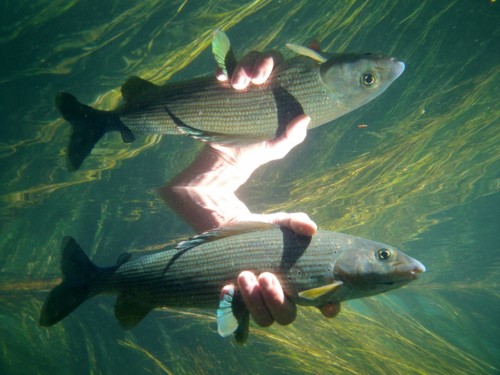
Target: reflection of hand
(204, 195)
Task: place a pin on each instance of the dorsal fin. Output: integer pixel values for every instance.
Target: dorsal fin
(306, 51)
(223, 53)
(225, 231)
(136, 87)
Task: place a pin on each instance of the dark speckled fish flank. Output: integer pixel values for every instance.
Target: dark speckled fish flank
(328, 267)
(213, 111)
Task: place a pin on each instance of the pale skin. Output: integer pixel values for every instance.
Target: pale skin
(204, 195)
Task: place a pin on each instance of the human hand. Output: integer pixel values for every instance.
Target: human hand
(263, 295)
(204, 195)
(254, 67)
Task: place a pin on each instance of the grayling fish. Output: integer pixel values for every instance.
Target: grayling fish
(328, 267)
(213, 111)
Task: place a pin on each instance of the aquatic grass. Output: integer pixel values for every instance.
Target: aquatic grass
(374, 335)
(391, 345)
(165, 65)
(388, 329)
(428, 156)
(132, 345)
(43, 11)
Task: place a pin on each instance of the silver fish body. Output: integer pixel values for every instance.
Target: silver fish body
(328, 267)
(210, 110)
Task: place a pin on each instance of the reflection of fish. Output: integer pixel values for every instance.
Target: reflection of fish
(210, 110)
(325, 268)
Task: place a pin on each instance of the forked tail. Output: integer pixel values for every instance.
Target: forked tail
(76, 287)
(88, 125)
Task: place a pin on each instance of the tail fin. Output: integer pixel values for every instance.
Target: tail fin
(75, 288)
(87, 128)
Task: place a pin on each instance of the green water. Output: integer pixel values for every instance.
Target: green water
(423, 176)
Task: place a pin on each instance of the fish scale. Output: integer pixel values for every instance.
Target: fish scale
(328, 267)
(209, 105)
(196, 277)
(213, 111)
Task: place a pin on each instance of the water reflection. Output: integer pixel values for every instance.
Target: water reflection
(423, 175)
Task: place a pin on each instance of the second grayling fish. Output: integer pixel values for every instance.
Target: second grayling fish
(328, 267)
(213, 111)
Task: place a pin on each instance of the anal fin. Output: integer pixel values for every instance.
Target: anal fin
(129, 311)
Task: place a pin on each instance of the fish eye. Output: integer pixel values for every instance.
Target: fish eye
(383, 254)
(368, 79)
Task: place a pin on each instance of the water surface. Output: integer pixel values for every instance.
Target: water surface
(424, 175)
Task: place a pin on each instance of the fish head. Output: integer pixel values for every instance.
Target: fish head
(371, 268)
(355, 79)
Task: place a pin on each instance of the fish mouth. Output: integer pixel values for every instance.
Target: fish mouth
(417, 269)
(399, 67)
(405, 277)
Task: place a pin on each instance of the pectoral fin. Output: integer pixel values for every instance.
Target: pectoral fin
(130, 311)
(232, 315)
(315, 293)
(306, 51)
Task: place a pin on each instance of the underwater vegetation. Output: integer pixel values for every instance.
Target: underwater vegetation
(419, 168)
